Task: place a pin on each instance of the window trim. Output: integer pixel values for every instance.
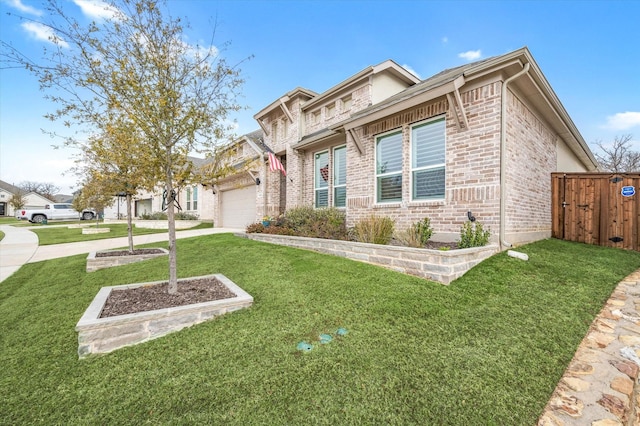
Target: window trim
(333, 185)
(316, 189)
(375, 166)
(194, 197)
(412, 170)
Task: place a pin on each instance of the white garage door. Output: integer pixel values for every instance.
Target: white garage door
(239, 207)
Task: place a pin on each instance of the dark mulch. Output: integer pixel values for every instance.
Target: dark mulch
(127, 253)
(149, 298)
(435, 245)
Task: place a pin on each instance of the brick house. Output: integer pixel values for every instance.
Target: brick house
(480, 139)
(477, 140)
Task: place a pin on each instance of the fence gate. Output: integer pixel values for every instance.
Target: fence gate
(596, 208)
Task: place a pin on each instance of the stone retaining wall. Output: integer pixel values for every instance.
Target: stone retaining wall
(94, 263)
(101, 335)
(436, 265)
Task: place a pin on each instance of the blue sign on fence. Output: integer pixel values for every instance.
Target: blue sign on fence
(628, 191)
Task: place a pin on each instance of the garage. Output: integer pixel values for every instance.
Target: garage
(238, 207)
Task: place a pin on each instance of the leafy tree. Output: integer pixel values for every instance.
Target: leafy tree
(136, 67)
(618, 157)
(107, 165)
(46, 189)
(18, 200)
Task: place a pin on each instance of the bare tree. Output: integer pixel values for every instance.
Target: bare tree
(136, 66)
(46, 189)
(618, 157)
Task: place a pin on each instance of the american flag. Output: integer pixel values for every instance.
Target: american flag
(275, 164)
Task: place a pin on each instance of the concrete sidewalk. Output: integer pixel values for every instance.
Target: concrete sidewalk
(20, 246)
(16, 248)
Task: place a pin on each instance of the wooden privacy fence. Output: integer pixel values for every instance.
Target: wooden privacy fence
(596, 208)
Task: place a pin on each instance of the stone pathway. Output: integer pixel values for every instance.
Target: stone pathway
(600, 387)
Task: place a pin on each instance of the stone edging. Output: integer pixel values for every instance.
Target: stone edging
(436, 265)
(600, 386)
(95, 263)
(102, 335)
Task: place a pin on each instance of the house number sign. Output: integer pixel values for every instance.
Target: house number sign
(628, 191)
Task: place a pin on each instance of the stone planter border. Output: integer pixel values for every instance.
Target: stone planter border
(102, 335)
(436, 265)
(95, 263)
(90, 231)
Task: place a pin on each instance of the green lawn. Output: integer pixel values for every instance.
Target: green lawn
(488, 349)
(58, 235)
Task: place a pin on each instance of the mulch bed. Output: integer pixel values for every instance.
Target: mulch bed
(149, 298)
(127, 252)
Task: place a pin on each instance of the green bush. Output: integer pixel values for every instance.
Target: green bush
(186, 216)
(306, 221)
(154, 216)
(374, 229)
(416, 235)
(163, 216)
(472, 234)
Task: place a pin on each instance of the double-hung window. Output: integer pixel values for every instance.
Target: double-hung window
(321, 179)
(428, 160)
(194, 197)
(389, 168)
(340, 176)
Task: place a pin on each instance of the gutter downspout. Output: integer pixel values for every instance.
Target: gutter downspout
(503, 155)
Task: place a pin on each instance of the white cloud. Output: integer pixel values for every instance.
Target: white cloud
(96, 9)
(623, 120)
(17, 4)
(412, 71)
(445, 39)
(470, 55)
(44, 33)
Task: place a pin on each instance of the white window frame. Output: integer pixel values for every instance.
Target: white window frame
(315, 179)
(394, 173)
(431, 166)
(188, 199)
(334, 185)
(194, 198)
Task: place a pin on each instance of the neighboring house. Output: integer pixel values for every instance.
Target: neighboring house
(478, 140)
(32, 199)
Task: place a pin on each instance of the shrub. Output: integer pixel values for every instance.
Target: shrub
(154, 216)
(163, 216)
(306, 221)
(472, 234)
(186, 216)
(374, 229)
(417, 234)
(255, 228)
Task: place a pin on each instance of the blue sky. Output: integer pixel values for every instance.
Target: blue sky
(589, 52)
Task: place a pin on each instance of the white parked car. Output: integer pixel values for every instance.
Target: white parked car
(54, 211)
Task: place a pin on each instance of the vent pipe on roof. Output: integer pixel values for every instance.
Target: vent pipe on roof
(503, 155)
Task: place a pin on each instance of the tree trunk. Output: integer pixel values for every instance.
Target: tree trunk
(173, 268)
(129, 224)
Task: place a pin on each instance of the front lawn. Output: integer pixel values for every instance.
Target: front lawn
(488, 349)
(62, 234)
